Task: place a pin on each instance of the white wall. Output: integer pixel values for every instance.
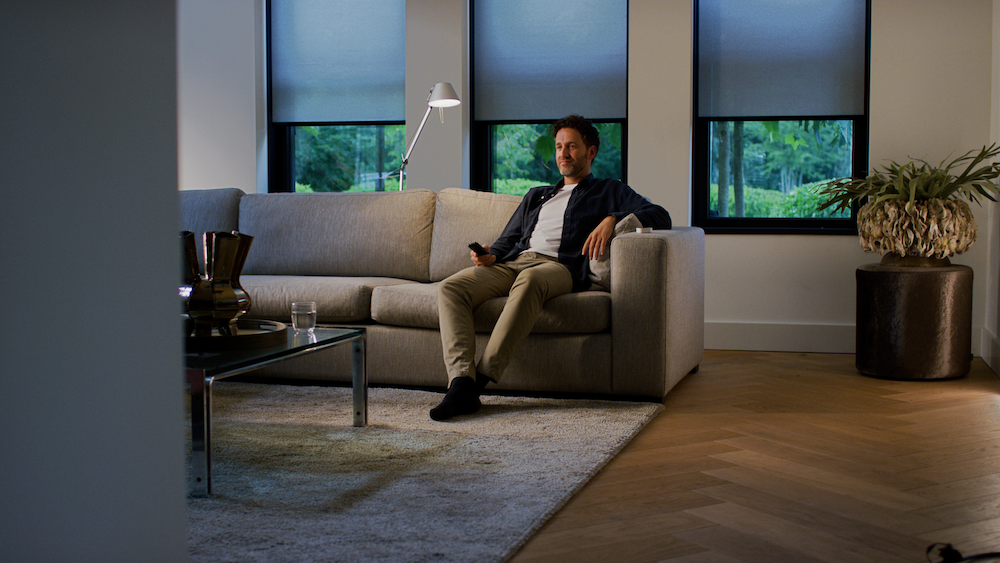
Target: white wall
(221, 120)
(762, 292)
(797, 293)
(660, 103)
(91, 405)
(990, 348)
(933, 94)
(436, 51)
(932, 66)
(222, 93)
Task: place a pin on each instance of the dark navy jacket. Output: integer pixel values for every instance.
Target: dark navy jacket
(591, 201)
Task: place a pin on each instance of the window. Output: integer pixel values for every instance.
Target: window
(347, 158)
(336, 84)
(523, 155)
(533, 63)
(781, 105)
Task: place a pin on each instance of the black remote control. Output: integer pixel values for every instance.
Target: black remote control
(478, 249)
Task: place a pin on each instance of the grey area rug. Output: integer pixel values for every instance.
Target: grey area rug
(294, 481)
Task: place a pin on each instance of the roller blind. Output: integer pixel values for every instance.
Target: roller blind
(338, 60)
(781, 57)
(543, 60)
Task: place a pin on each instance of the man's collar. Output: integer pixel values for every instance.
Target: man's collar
(583, 183)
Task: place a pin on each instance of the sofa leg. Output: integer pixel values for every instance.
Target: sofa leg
(695, 370)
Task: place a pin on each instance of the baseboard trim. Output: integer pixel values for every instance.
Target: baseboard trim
(990, 350)
(831, 339)
(779, 337)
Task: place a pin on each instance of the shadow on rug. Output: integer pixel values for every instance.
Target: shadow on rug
(292, 480)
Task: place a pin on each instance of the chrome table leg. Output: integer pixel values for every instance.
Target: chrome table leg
(201, 432)
(359, 382)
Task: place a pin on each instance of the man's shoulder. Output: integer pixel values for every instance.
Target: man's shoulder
(607, 184)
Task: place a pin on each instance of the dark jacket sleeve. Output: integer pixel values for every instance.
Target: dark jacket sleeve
(511, 241)
(511, 233)
(648, 213)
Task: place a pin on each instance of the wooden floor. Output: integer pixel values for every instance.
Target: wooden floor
(794, 458)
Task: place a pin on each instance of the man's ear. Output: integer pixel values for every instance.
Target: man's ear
(591, 152)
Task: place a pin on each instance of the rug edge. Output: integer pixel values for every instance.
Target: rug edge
(545, 517)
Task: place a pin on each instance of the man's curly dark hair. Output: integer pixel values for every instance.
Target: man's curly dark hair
(583, 125)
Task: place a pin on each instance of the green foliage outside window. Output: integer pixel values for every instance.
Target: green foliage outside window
(774, 169)
(353, 158)
(800, 203)
(524, 156)
(348, 158)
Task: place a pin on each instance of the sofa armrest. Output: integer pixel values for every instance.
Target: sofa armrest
(657, 309)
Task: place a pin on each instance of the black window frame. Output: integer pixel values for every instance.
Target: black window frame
(481, 139)
(281, 150)
(281, 136)
(483, 142)
(701, 161)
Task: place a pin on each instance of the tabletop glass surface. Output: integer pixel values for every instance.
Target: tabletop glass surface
(295, 342)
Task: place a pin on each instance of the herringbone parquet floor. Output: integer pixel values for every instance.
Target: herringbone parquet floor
(775, 457)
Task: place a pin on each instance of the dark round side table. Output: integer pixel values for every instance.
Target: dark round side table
(914, 322)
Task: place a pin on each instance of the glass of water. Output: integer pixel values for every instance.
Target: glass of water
(304, 316)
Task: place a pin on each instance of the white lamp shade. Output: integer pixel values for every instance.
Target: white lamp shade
(443, 95)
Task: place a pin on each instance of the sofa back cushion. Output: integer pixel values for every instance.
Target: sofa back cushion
(208, 211)
(384, 234)
(463, 216)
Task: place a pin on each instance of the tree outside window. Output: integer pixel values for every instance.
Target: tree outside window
(771, 169)
(348, 158)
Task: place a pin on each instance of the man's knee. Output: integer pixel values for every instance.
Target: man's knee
(543, 277)
(530, 283)
(530, 277)
(452, 287)
(459, 287)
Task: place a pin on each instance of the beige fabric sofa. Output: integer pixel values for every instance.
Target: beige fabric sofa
(374, 259)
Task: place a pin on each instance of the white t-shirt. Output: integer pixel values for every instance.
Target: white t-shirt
(548, 231)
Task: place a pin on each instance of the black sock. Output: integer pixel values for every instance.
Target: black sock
(462, 398)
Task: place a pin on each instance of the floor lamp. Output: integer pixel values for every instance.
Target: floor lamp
(442, 96)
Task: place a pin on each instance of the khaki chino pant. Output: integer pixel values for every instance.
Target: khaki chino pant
(527, 281)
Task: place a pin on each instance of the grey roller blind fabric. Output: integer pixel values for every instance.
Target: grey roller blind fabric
(545, 59)
(781, 58)
(338, 60)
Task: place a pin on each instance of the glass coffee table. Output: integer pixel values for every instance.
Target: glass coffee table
(202, 368)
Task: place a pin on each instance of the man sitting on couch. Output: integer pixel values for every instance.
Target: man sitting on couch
(543, 252)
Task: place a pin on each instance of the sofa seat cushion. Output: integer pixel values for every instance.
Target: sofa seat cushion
(415, 306)
(338, 299)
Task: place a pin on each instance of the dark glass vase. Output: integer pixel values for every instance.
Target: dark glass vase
(217, 300)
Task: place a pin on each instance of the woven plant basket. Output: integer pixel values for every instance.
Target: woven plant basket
(930, 228)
